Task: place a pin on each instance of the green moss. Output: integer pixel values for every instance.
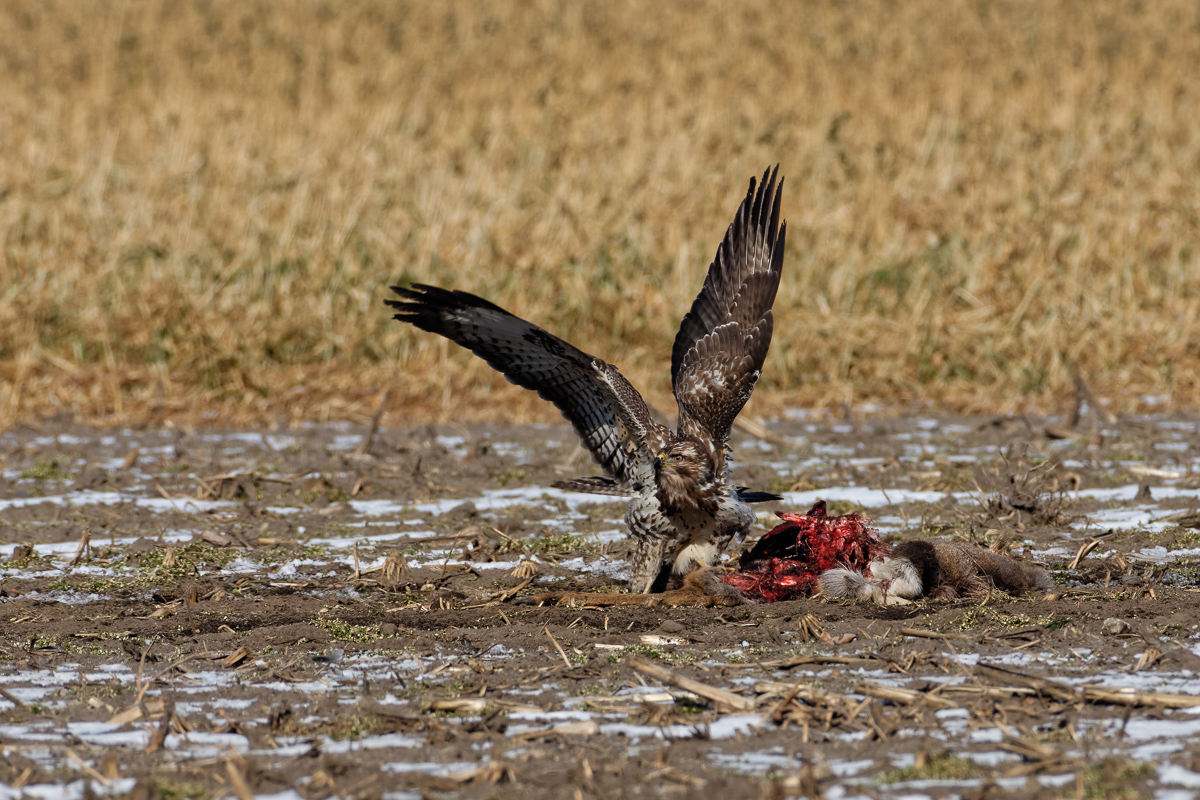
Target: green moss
(285, 553)
(987, 617)
(103, 690)
(634, 650)
(512, 474)
(45, 470)
(550, 544)
(1056, 736)
(345, 632)
(352, 728)
(686, 706)
(1111, 778)
(331, 493)
(560, 543)
(38, 640)
(189, 560)
(1184, 539)
(21, 563)
(171, 789)
(942, 767)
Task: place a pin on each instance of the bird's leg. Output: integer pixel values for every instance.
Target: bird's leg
(646, 563)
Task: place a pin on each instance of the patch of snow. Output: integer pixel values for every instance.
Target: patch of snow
(1173, 773)
(433, 768)
(376, 742)
(868, 498)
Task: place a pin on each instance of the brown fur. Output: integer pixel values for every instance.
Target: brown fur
(946, 569)
(951, 569)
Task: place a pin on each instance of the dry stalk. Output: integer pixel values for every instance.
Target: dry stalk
(922, 634)
(1084, 549)
(85, 547)
(722, 697)
(364, 446)
(1088, 694)
(557, 646)
(905, 696)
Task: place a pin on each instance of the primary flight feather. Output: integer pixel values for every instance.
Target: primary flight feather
(683, 506)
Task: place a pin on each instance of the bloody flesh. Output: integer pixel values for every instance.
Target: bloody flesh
(788, 561)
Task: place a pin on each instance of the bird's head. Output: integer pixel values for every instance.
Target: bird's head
(679, 467)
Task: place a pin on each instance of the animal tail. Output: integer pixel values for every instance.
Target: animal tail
(843, 582)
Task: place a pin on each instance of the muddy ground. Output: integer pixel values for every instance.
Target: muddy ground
(203, 613)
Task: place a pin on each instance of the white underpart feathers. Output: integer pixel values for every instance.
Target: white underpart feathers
(696, 554)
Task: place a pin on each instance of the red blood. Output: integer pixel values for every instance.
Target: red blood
(786, 563)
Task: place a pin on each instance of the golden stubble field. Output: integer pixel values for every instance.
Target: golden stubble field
(201, 203)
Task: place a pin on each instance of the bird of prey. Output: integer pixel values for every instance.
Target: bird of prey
(684, 509)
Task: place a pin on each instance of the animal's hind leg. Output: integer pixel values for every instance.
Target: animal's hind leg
(716, 591)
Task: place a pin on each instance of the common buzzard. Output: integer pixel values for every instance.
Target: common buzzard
(683, 507)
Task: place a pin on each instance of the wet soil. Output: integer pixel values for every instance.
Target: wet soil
(203, 613)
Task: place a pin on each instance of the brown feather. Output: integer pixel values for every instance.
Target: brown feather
(684, 509)
(723, 340)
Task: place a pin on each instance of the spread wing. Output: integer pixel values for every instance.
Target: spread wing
(722, 342)
(593, 396)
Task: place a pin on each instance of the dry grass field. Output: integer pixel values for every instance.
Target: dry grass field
(202, 201)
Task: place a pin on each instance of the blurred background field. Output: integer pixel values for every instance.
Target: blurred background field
(202, 202)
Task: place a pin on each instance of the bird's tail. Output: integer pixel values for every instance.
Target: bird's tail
(748, 496)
